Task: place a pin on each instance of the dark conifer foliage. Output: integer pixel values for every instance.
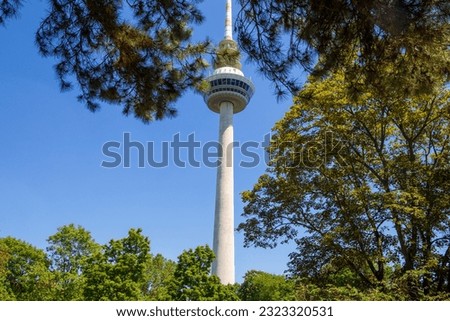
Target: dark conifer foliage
(8, 9)
(138, 54)
(321, 36)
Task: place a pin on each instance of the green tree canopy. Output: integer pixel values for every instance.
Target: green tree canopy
(68, 250)
(262, 286)
(193, 280)
(359, 184)
(4, 257)
(24, 272)
(77, 268)
(117, 272)
(159, 275)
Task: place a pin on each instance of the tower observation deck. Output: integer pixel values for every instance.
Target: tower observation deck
(228, 93)
(228, 82)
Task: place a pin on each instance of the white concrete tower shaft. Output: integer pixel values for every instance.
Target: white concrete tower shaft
(223, 243)
(229, 93)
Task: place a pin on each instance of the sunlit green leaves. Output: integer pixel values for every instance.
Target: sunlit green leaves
(193, 280)
(117, 272)
(24, 272)
(359, 182)
(262, 286)
(69, 251)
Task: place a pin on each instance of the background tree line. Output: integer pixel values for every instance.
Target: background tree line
(74, 267)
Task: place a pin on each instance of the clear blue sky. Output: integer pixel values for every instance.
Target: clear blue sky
(51, 151)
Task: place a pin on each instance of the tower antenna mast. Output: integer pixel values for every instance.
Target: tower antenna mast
(229, 22)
